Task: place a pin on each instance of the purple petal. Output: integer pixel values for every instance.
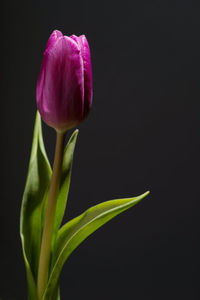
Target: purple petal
(85, 53)
(52, 39)
(61, 99)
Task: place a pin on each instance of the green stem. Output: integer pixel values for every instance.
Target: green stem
(45, 250)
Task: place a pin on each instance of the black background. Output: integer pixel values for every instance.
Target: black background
(142, 134)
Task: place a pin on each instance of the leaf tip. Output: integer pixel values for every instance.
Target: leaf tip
(145, 194)
(141, 197)
(74, 134)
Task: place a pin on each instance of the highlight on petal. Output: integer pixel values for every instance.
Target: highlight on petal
(85, 53)
(53, 38)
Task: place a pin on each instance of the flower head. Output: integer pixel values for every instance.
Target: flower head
(64, 86)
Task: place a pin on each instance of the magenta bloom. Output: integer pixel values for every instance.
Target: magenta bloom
(64, 86)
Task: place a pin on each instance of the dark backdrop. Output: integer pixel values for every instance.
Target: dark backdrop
(142, 133)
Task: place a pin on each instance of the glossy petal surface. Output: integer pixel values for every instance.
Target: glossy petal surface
(64, 87)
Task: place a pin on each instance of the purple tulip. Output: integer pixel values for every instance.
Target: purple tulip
(64, 86)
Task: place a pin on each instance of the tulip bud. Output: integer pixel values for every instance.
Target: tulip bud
(64, 86)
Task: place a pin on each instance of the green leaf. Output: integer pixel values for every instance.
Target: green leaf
(63, 195)
(78, 229)
(65, 182)
(55, 295)
(37, 183)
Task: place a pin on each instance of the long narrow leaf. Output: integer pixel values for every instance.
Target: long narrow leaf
(78, 229)
(65, 181)
(37, 183)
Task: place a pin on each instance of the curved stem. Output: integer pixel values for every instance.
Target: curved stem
(45, 250)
